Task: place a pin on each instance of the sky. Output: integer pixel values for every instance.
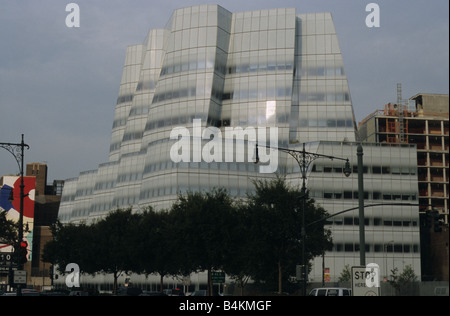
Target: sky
(59, 85)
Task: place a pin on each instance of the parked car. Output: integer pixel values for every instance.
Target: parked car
(79, 293)
(25, 292)
(177, 292)
(148, 293)
(53, 293)
(199, 293)
(128, 291)
(331, 291)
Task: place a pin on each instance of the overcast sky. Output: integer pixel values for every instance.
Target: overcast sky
(59, 85)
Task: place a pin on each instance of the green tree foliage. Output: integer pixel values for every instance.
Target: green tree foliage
(204, 226)
(8, 230)
(113, 245)
(346, 275)
(274, 219)
(258, 239)
(154, 245)
(101, 247)
(71, 244)
(403, 282)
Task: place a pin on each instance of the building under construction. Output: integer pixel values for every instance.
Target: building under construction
(422, 120)
(427, 127)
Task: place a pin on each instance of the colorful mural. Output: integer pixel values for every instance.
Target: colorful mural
(10, 203)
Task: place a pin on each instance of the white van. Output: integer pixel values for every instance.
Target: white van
(331, 291)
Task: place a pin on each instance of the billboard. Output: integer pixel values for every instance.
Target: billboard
(10, 203)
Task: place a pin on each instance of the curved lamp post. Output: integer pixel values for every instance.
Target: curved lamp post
(17, 150)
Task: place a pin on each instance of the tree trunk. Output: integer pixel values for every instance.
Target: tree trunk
(280, 278)
(115, 282)
(161, 283)
(242, 287)
(209, 283)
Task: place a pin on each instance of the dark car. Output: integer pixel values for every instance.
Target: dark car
(147, 293)
(129, 291)
(177, 292)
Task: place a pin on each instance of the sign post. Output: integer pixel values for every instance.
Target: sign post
(20, 277)
(218, 277)
(365, 280)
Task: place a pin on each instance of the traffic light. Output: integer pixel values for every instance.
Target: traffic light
(21, 252)
(437, 221)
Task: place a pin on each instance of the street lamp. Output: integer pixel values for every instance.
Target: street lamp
(362, 234)
(17, 150)
(304, 160)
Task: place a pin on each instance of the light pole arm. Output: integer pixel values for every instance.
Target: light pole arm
(17, 150)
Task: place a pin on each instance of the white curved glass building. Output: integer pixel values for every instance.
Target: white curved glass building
(210, 71)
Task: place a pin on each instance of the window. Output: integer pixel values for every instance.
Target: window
(348, 220)
(322, 292)
(333, 292)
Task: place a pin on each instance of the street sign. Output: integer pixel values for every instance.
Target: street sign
(20, 277)
(6, 262)
(6, 258)
(218, 277)
(363, 282)
(299, 272)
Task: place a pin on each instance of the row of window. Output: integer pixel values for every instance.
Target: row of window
(321, 97)
(240, 69)
(380, 248)
(174, 121)
(376, 221)
(400, 170)
(194, 65)
(132, 135)
(349, 195)
(248, 68)
(325, 123)
(124, 98)
(261, 93)
(375, 195)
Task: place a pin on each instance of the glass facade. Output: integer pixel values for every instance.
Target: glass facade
(260, 69)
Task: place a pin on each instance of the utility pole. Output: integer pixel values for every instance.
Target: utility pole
(17, 150)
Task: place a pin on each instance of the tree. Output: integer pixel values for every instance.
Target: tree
(8, 230)
(404, 281)
(204, 229)
(274, 219)
(239, 264)
(154, 246)
(113, 243)
(346, 275)
(72, 243)
(105, 246)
